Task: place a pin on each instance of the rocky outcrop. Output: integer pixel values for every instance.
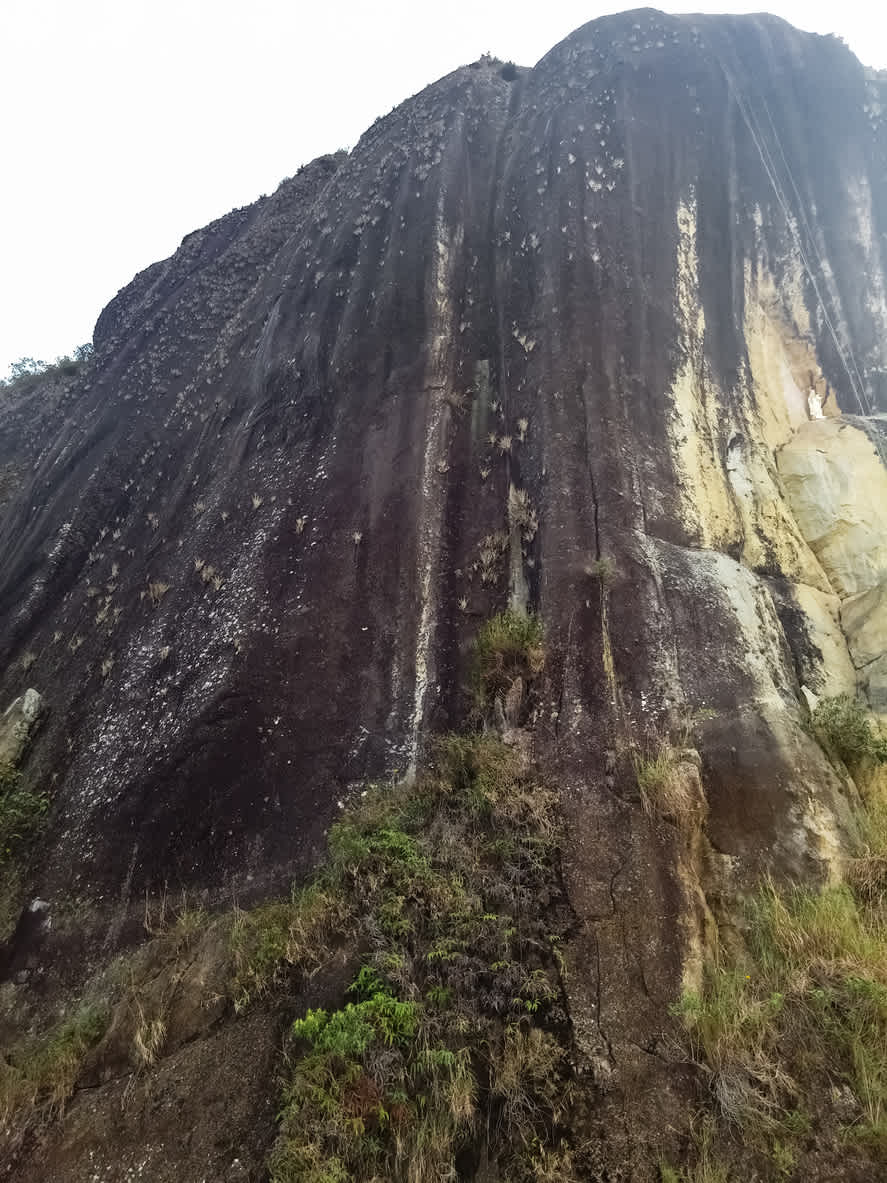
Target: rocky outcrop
(588, 337)
(17, 725)
(835, 477)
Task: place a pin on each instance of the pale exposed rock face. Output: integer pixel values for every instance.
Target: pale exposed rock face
(835, 479)
(864, 619)
(17, 726)
(837, 488)
(834, 672)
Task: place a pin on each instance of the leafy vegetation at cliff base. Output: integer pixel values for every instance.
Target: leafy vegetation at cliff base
(451, 1040)
(453, 1027)
(791, 1037)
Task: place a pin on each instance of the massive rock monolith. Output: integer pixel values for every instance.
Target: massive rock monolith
(642, 285)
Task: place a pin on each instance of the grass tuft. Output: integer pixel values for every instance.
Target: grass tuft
(507, 647)
(21, 814)
(803, 1017)
(37, 1080)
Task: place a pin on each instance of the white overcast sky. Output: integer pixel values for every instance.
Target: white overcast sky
(125, 124)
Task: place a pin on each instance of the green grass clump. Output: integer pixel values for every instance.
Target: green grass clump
(843, 725)
(507, 646)
(804, 1012)
(21, 814)
(792, 1036)
(299, 932)
(604, 570)
(706, 1167)
(448, 884)
(654, 771)
(37, 1080)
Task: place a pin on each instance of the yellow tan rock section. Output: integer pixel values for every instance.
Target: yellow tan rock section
(837, 487)
(731, 494)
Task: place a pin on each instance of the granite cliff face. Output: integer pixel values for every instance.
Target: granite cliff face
(605, 338)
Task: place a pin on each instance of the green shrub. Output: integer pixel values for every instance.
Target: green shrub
(28, 373)
(372, 1092)
(21, 814)
(448, 883)
(842, 723)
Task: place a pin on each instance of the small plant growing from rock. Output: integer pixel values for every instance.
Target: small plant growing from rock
(521, 514)
(157, 589)
(508, 646)
(491, 550)
(257, 501)
(603, 570)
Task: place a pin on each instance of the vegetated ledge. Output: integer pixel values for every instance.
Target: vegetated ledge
(442, 917)
(789, 1031)
(424, 963)
(433, 934)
